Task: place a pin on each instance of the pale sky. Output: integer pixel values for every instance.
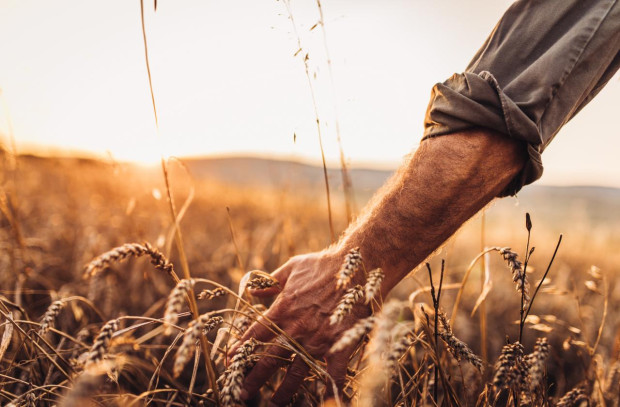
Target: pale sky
(226, 80)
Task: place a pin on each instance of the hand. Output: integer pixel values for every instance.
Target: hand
(302, 309)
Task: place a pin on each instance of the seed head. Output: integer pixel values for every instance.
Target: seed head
(458, 348)
(129, 250)
(261, 283)
(573, 398)
(354, 334)
(351, 264)
(201, 326)
(232, 379)
(509, 369)
(536, 361)
(211, 294)
(48, 319)
(518, 276)
(102, 342)
(350, 298)
(373, 284)
(175, 303)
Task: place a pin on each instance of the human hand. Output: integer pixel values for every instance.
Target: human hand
(302, 309)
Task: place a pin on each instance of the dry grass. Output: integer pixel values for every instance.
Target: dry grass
(70, 338)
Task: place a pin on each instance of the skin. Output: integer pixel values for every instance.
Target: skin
(443, 184)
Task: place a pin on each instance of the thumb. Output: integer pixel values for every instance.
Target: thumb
(281, 276)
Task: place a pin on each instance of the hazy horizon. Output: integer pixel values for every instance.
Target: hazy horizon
(228, 80)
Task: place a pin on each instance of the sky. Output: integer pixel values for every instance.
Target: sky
(228, 80)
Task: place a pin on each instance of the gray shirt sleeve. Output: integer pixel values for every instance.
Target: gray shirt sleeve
(542, 63)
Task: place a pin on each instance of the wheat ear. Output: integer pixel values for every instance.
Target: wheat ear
(349, 299)
(509, 367)
(354, 334)
(458, 348)
(401, 342)
(351, 264)
(211, 294)
(201, 326)
(129, 250)
(49, 318)
(536, 361)
(518, 275)
(373, 284)
(573, 398)
(261, 283)
(102, 342)
(232, 378)
(175, 304)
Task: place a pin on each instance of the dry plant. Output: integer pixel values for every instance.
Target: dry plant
(59, 348)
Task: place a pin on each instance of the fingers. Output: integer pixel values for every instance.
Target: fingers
(275, 358)
(294, 377)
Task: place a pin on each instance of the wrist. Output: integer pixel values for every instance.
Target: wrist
(372, 258)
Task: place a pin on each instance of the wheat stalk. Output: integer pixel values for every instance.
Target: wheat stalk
(201, 326)
(536, 361)
(50, 315)
(458, 348)
(232, 378)
(509, 367)
(261, 283)
(211, 294)
(373, 283)
(351, 264)
(573, 398)
(102, 342)
(129, 250)
(518, 275)
(349, 299)
(175, 304)
(354, 334)
(401, 342)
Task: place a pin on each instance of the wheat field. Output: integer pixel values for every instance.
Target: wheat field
(96, 309)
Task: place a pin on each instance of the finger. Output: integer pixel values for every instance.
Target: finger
(336, 369)
(276, 357)
(294, 377)
(281, 276)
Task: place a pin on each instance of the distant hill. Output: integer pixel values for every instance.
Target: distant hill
(263, 172)
(589, 205)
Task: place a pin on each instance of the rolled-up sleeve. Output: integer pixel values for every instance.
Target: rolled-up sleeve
(542, 63)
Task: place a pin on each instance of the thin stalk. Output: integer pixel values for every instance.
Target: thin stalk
(204, 343)
(528, 226)
(459, 294)
(347, 184)
(232, 235)
(435, 330)
(483, 305)
(543, 278)
(318, 123)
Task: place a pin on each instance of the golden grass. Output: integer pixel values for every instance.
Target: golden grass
(67, 339)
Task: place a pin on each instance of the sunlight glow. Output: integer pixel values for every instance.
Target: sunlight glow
(229, 79)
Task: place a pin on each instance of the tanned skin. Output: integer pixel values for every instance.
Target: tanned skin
(446, 181)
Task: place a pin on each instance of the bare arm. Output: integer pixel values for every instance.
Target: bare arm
(446, 182)
(443, 184)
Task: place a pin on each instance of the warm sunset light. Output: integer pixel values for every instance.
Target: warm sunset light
(226, 80)
(226, 203)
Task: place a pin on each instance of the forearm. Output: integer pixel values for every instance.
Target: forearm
(446, 181)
